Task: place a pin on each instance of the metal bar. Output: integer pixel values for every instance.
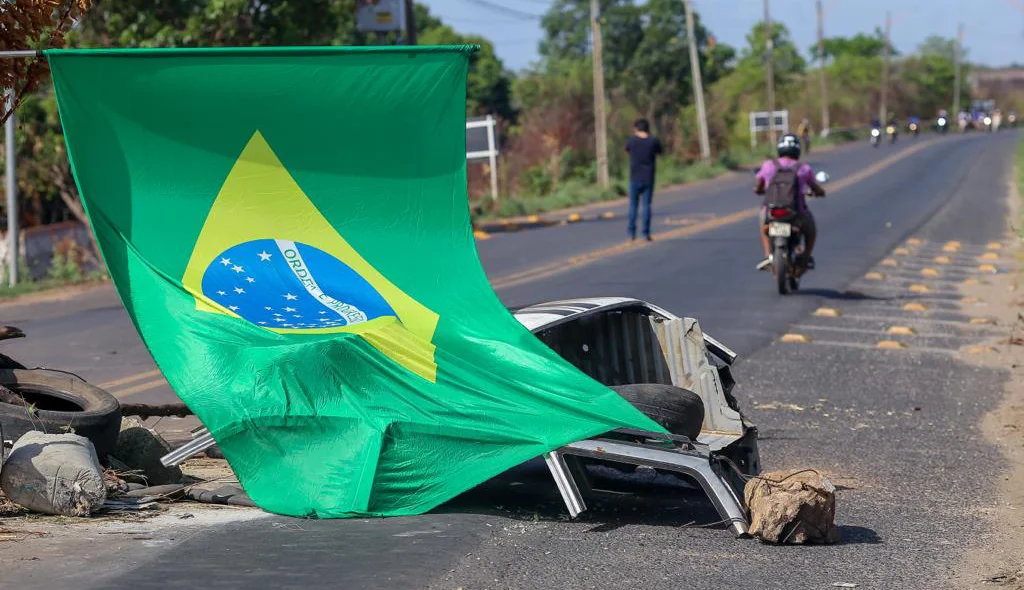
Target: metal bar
(188, 450)
(10, 157)
(565, 482)
(714, 484)
(21, 53)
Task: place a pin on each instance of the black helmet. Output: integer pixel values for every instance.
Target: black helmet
(789, 146)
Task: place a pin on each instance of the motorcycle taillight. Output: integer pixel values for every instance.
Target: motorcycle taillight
(779, 213)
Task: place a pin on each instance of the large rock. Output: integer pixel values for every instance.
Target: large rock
(792, 507)
(140, 449)
(54, 474)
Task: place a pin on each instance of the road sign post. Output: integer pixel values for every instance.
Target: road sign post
(482, 145)
(772, 122)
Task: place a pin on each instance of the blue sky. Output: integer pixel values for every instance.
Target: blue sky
(994, 33)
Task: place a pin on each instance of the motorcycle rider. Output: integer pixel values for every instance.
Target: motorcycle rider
(788, 150)
(804, 129)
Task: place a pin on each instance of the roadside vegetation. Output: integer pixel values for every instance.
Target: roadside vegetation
(545, 111)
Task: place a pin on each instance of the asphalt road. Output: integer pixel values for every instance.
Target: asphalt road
(896, 428)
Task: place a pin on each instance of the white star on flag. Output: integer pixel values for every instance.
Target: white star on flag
(264, 256)
(237, 268)
(290, 310)
(225, 261)
(250, 279)
(291, 297)
(239, 290)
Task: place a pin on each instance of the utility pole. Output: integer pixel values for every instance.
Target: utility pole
(825, 123)
(600, 120)
(883, 109)
(698, 86)
(12, 195)
(957, 83)
(770, 70)
(410, 23)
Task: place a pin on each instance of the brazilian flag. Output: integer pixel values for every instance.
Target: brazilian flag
(288, 229)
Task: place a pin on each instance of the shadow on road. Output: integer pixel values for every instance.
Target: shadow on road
(858, 535)
(841, 295)
(527, 493)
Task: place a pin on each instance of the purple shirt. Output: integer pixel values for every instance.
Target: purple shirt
(804, 175)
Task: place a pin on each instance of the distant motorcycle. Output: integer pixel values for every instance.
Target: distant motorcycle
(942, 124)
(876, 137)
(891, 132)
(788, 245)
(913, 129)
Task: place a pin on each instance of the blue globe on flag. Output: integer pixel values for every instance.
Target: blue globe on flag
(279, 284)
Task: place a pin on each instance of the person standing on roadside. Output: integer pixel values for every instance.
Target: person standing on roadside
(643, 149)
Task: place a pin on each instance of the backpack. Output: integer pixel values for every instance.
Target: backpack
(784, 190)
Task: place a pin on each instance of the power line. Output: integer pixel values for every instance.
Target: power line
(518, 14)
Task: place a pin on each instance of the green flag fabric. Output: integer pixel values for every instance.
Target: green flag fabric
(289, 231)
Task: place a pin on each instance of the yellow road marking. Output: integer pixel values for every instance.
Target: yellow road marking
(575, 217)
(891, 345)
(901, 331)
(123, 393)
(919, 288)
(129, 379)
(533, 219)
(901, 251)
(889, 262)
(914, 242)
(827, 312)
(565, 265)
(874, 276)
(942, 259)
(990, 256)
(988, 268)
(979, 349)
(930, 272)
(796, 338)
(983, 321)
(915, 307)
(481, 234)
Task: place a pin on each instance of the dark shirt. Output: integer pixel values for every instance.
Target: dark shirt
(642, 154)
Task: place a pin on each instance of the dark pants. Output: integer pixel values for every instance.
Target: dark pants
(640, 191)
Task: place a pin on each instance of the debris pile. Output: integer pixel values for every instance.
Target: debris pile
(54, 474)
(792, 507)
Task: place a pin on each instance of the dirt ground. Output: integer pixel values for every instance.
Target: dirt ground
(997, 558)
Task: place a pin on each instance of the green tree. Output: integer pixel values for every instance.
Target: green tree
(859, 45)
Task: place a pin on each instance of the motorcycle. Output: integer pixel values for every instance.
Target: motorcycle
(913, 129)
(891, 132)
(788, 245)
(943, 125)
(876, 136)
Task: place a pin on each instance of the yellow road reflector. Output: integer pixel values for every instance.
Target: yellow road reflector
(481, 234)
(874, 276)
(970, 281)
(901, 251)
(988, 268)
(919, 288)
(533, 219)
(942, 259)
(915, 307)
(608, 215)
(994, 246)
(930, 272)
(983, 321)
(951, 247)
(990, 256)
(891, 345)
(901, 331)
(796, 338)
(575, 217)
(890, 262)
(827, 312)
(914, 242)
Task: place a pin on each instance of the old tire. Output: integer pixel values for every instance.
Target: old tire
(61, 403)
(676, 409)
